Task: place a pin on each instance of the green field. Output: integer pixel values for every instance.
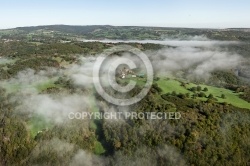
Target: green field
(231, 97)
(45, 85)
(99, 149)
(170, 85)
(15, 87)
(38, 124)
(94, 124)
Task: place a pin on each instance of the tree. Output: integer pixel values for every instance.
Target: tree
(210, 96)
(174, 93)
(205, 89)
(195, 95)
(193, 89)
(117, 144)
(225, 103)
(181, 95)
(201, 94)
(223, 96)
(198, 88)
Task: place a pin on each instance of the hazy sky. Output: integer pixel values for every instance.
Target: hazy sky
(169, 13)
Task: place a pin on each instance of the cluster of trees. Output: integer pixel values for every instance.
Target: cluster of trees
(16, 143)
(197, 92)
(16, 49)
(32, 63)
(198, 88)
(246, 95)
(4, 74)
(198, 135)
(21, 49)
(225, 77)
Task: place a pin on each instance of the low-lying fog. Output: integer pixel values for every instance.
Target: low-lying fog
(192, 42)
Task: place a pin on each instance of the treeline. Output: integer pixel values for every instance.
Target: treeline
(21, 49)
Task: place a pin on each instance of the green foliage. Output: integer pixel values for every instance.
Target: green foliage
(205, 89)
(227, 77)
(201, 94)
(183, 96)
(33, 63)
(196, 138)
(246, 95)
(223, 96)
(193, 89)
(210, 96)
(174, 93)
(198, 88)
(16, 143)
(98, 148)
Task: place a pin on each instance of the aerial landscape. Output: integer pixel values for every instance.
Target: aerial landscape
(94, 84)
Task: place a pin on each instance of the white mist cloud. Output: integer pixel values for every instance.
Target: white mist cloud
(177, 41)
(64, 153)
(28, 80)
(146, 156)
(54, 109)
(57, 146)
(81, 74)
(198, 61)
(85, 158)
(5, 60)
(196, 54)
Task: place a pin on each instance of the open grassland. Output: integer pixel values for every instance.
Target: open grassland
(12, 87)
(231, 97)
(170, 85)
(38, 124)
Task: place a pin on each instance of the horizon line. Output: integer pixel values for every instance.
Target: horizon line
(177, 27)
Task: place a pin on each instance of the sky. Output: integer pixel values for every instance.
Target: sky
(163, 13)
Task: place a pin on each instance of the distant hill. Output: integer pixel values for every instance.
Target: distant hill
(125, 32)
(77, 29)
(66, 28)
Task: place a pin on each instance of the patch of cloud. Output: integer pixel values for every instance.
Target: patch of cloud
(28, 80)
(177, 41)
(85, 158)
(199, 62)
(146, 156)
(54, 109)
(59, 152)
